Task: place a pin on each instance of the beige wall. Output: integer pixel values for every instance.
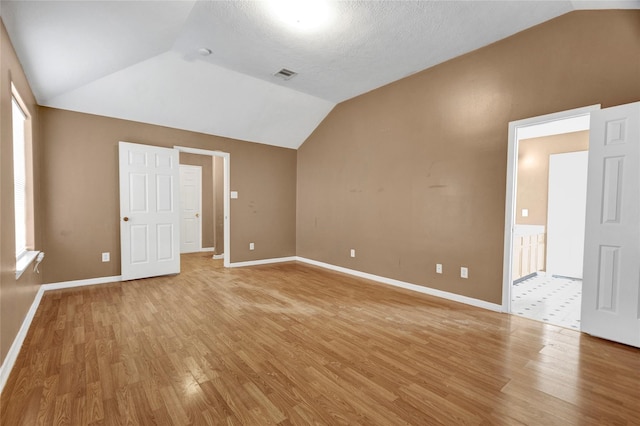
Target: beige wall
(207, 209)
(413, 174)
(16, 296)
(80, 191)
(533, 172)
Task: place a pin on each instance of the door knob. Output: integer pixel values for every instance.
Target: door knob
(197, 214)
(126, 219)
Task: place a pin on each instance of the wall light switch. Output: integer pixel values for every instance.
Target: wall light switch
(234, 194)
(438, 268)
(106, 257)
(464, 272)
(252, 246)
(353, 252)
(525, 212)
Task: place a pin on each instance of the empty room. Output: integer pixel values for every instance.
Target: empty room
(319, 212)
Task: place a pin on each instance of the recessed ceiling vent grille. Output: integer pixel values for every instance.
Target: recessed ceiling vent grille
(285, 74)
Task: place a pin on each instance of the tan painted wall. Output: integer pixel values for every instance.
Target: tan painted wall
(16, 296)
(533, 172)
(80, 191)
(207, 208)
(413, 174)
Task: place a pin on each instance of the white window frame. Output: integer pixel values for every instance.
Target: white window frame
(19, 119)
(22, 181)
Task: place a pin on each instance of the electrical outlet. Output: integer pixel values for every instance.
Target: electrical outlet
(252, 246)
(438, 268)
(353, 252)
(464, 272)
(106, 257)
(525, 212)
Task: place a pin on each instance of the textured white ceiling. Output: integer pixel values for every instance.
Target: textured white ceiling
(368, 44)
(138, 60)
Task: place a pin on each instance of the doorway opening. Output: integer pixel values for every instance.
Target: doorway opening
(220, 162)
(545, 214)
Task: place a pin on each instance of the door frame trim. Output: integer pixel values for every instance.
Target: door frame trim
(510, 199)
(226, 193)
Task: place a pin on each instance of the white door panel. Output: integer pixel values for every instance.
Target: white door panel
(566, 213)
(149, 226)
(190, 202)
(611, 285)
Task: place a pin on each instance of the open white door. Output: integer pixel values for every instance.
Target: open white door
(149, 211)
(190, 201)
(611, 283)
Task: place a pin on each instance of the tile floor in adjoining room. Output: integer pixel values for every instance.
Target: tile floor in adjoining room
(549, 299)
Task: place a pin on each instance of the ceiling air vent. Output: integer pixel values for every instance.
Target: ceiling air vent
(285, 74)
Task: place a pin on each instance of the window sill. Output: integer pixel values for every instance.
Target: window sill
(25, 260)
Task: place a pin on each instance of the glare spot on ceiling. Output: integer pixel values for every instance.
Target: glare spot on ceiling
(301, 15)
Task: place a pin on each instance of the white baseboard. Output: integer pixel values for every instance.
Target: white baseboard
(14, 350)
(402, 284)
(12, 355)
(81, 283)
(263, 261)
(208, 249)
(218, 256)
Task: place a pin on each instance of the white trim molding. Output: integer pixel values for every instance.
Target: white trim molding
(81, 283)
(384, 280)
(24, 261)
(263, 261)
(515, 132)
(402, 284)
(226, 165)
(207, 249)
(14, 350)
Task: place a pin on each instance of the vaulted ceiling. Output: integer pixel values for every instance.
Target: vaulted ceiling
(143, 60)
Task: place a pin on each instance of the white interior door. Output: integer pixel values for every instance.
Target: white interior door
(149, 211)
(190, 206)
(611, 284)
(566, 210)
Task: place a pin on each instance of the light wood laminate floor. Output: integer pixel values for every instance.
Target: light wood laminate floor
(294, 344)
